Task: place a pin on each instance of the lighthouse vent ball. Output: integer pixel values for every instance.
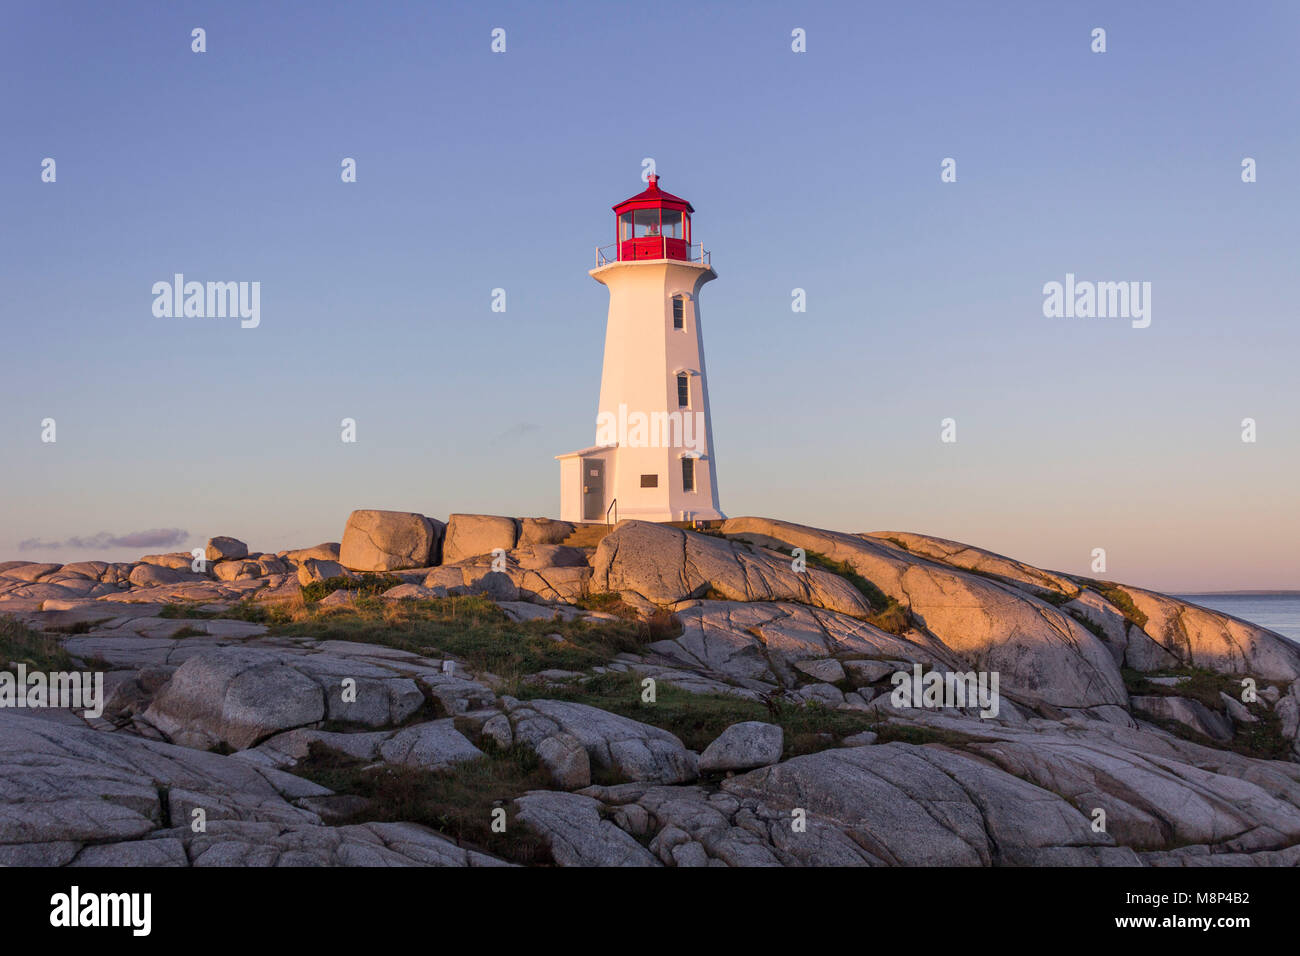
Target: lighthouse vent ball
(389, 541)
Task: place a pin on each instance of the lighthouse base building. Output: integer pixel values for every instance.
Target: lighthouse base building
(653, 454)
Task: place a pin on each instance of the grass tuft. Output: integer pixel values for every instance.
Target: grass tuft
(697, 719)
(1262, 739)
(478, 632)
(19, 644)
(1120, 599)
(458, 802)
(887, 614)
(366, 585)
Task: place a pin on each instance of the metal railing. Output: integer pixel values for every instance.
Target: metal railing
(695, 252)
(613, 506)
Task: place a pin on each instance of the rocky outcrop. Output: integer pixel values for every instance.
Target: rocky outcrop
(469, 536)
(152, 575)
(576, 833)
(236, 699)
(389, 541)
(1191, 714)
(542, 583)
(565, 760)
(1174, 633)
(535, 531)
(236, 570)
(757, 645)
(1128, 643)
(62, 787)
(627, 748)
(222, 548)
(74, 796)
(313, 569)
(1154, 788)
(970, 558)
(899, 804)
(1042, 654)
(216, 714)
(1205, 638)
(435, 745)
(322, 552)
(666, 565)
(743, 746)
(30, 572)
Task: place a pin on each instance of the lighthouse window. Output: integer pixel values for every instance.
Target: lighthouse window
(672, 223)
(688, 474)
(679, 312)
(683, 391)
(647, 222)
(625, 227)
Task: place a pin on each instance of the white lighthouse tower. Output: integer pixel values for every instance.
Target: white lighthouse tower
(653, 457)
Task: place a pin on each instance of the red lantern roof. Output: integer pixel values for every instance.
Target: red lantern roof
(652, 197)
(652, 225)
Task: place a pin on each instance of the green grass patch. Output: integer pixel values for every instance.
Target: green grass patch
(187, 612)
(1261, 739)
(606, 602)
(1092, 626)
(458, 802)
(1201, 684)
(246, 610)
(1119, 598)
(19, 644)
(366, 585)
(1054, 598)
(877, 598)
(894, 619)
(478, 632)
(886, 613)
(697, 719)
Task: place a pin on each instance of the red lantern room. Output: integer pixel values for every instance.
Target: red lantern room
(654, 225)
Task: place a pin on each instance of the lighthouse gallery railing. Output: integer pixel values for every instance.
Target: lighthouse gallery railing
(695, 252)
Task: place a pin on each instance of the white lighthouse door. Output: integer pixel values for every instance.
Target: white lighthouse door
(593, 489)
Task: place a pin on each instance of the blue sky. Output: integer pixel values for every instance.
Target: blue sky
(817, 170)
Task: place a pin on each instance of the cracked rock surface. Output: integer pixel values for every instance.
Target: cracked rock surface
(215, 717)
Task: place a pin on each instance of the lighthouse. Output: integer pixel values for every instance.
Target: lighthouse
(653, 454)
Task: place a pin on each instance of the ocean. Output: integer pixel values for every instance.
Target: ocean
(1277, 612)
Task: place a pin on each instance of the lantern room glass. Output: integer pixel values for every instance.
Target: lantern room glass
(646, 223)
(653, 232)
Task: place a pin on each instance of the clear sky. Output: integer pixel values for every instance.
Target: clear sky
(816, 170)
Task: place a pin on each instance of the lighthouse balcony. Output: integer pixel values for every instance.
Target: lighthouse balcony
(646, 248)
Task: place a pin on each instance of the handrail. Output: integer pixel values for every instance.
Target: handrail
(695, 252)
(612, 505)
